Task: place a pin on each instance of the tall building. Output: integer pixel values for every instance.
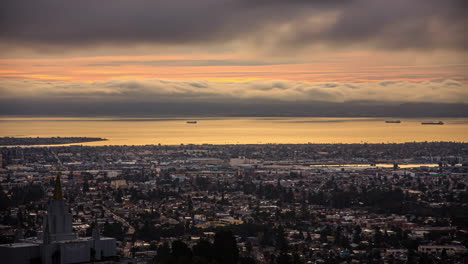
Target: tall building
(58, 244)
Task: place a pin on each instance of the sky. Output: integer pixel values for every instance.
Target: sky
(317, 57)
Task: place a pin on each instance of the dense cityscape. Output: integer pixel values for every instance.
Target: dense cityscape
(275, 203)
(234, 132)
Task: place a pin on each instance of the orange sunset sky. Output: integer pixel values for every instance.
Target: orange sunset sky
(333, 51)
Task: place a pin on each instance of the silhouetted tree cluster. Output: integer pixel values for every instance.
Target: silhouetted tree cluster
(150, 232)
(115, 230)
(222, 251)
(21, 195)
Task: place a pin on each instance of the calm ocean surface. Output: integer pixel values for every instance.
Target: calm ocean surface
(230, 130)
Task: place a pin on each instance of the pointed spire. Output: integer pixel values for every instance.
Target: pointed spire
(58, 194)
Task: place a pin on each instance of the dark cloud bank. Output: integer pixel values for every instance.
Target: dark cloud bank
(255, 98)
(395, 24)
(234, 108)
(280, 24)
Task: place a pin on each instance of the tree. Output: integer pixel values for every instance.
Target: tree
(118, 196)
(357, 235)
(180, 254)
(444, 255)
(282, 246)
(378, 237)
(225, 247)
(246, 260)
(113, 230)
(283, 258)
(203, 252)
(163, 254)
(180, 249)
(85, 186)
(4, 200)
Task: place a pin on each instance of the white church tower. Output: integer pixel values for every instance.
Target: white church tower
(57, 227)
(58, 244)
(58, 218)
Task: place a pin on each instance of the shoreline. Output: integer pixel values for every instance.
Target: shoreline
(45, 141)
(228, 144)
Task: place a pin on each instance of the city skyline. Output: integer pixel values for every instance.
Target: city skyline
(233, 131)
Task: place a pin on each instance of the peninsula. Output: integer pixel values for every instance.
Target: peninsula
(12, 141)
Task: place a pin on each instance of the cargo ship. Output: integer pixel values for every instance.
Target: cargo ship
(393, 121)
(432, 123)
(191, 122)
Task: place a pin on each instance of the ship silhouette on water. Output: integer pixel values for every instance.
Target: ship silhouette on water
(191, 122)
(393, 121)
(432, 123)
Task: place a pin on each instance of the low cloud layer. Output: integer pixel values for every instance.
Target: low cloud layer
(396, 24)
(157, 90)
